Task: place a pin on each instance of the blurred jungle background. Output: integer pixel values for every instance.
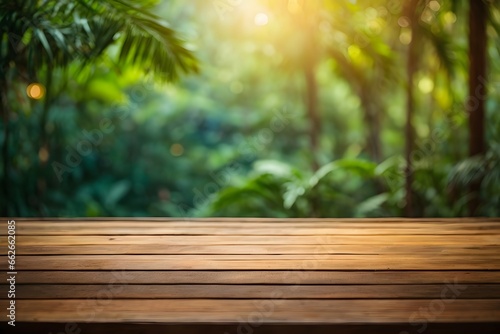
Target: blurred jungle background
(277, 108)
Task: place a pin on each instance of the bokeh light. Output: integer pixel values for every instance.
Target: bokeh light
(176, 150)
(35, 91)
(403, 22)
(261, 19)
(434, 5)
(43, 154)
(405, 36)
(354, 51)
(426, 85)
(450, 18)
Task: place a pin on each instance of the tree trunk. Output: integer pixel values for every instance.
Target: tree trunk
(371, 116)
(409, 133)
(312, 111)
(5, 151)
(306, 24)
(309, 63)
(410, 106)
(477, 88)
(314, 125)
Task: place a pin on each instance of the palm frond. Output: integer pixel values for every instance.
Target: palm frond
(443, 45)
(59, 32)
(467, 171)
(147, 41)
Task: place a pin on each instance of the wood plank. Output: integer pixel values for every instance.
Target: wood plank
(271, 225)
(81, 229)
(245, 327)
(319, 240)
(247, 291)
(226, 220)
(166, 249)
(256, 262)
(257, 277)
(329, 271)
(132, 228)
(267, 311)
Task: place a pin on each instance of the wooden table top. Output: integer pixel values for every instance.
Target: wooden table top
(251, 275)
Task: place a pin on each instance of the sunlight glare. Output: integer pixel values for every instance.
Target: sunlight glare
(261, 19)
(293, 6)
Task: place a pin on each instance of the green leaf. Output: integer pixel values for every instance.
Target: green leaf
(116, 193)
(43, 39)
(273, 167)
(372, 204)
(292, 193)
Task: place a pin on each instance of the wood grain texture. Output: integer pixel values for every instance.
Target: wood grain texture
(165, 249)
(249, 291)
(156, 228)
(285, 277)
(198, 328)
(257, 262)
(351, 275)
(264, 311)
(318, 240)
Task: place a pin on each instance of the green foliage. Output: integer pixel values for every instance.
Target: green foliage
(36, 34)
(277, 189)
(485, 170)
(234, 140)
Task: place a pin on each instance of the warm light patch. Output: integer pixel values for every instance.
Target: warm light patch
(354, 51)
(35, 91)
(261, 19)
(375, 27)
(382, 11)
(450, 18)
(403, 22)
(293, 6)
(176, 150)
(434, 5)
(405, 36)
(425, 85)
(43, 154)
